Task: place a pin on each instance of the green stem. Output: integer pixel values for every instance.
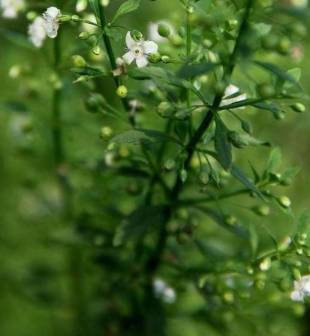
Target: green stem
(188, 54)
(154, 260)
(112, 59)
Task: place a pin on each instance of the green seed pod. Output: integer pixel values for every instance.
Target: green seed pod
(163, 30)
(298, 107)
(265, 90)
(78, 61)
(122, 91)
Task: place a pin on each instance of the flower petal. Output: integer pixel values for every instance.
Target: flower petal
(142, 61)
(130, 42)
(150, 47)
(129, 57)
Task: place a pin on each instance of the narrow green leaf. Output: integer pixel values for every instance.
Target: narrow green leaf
(222, 144)
(274, 160)
(125, 8)
(94, 5)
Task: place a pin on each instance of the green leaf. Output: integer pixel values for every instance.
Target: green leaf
(274, 160)
(138, 136)
(94, 4)
(89, 71)
(193, 70)
(237, 173)
(302, 223)
(222, 144)
(125, 8)
(283, 75)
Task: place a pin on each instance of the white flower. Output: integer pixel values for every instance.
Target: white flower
(301, 288)
(51, 21)
(10, 8)
(81, 5)
(163, 291)
(232, 95)
(37, 33)
(139, 51)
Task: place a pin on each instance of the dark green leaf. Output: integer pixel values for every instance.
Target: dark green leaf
(193, 70)
(222, 144)
(125, 8)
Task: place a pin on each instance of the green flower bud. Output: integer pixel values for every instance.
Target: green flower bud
(284, 46)
(31, 15)
(163, 30)
(265, 264)
(95, 102)
(229, 297)
(122, 91)
(298, 107)
(262, 210)
(296, 274)
(136, 35)
(169, 164)
(64, 18)
(284, 201)
(265, 90)
(106, 132)
(75, 18)
(84, 35)
(165, 59)
(155, 57)
(270, 41)
(165, 109)
(78, 61)
(176, 40)
(230, 220)
(96, 50)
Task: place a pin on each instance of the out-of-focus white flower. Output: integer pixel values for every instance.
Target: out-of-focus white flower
(10, 8)
(86, 27)
(299, 3)
(51, 21)
(139, 51)
(232, 95)
(81, 5)
(153, 31)
(301, 288)
(37, 33)
(163, 291)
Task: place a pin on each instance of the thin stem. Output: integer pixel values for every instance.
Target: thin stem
(112, 59)
(154, 261)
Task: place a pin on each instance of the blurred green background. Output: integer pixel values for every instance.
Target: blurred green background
(35, 282)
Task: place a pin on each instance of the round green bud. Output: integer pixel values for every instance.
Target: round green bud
(84, 35)
(230, 220)
(296, 274)
(96, 50)
(163, 30)
(78, 61)
(265, 90)
(262, 210)
(265, 264)
(136, 35)
(228, 297)
(165, 59)
(154, 58)
(298, 107)
(284, 201)
(122, 91)
(31, 15)
(106, 132)
(165, 109)
(299, 29)
(169, 164)
(270, 41)
(176, 40)
(284, 46)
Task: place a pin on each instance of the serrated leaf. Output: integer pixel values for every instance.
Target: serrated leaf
(125, 8)
(138, 136)
(222, 144)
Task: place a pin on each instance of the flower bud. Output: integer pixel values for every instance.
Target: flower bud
(230, 220)
(75, 18)
(284, 201)
(154, 58)
(296, 274)
(64, 18)
(262, 210)
(122, 91)
(163, 30)
(298, 107)
(106, 133)
(169, 164)
(165, 109)
(136, 35)
(78, 61)
(284, 46)
(265, 264)
(165, 59)
(84, 35)
(265, 90)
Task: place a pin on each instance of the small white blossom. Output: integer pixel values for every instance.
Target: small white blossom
(232, 95)
(139, 51)
(301, 289)
(163, 291)
(121, 68)
(37, 33)
(10, 8)
(51, 21)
